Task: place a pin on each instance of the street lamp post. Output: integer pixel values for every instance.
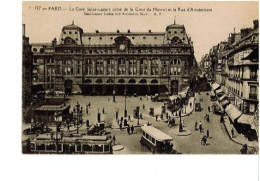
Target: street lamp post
(125, 105)
(180, 126)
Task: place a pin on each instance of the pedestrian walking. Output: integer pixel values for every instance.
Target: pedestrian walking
(89, 105)
(196, 126)
(116, 115)
(205, 141)
(209, 108)
(222, 118)
(167, 115)
(162, 116)
(232, 133)
(156, 118)
(143, 107)
(86, 110)
(128, 129)
(208, 119)
(120, 125)
(87, 123)
(207, 133)
(190, 104)
(200, 126)
(132, 129)
(141, 116)
(201, 139)
(114, 139)
(103, 111)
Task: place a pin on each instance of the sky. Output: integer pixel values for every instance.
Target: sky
(206, 29)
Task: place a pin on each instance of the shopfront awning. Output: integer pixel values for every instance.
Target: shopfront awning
(232, 112)
(219, 92)
(224, 102)
(245, 119)
(222, 97)
(212, 93)
(250, 120)
(215, 86)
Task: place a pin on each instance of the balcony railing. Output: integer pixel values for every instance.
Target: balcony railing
(252, 96)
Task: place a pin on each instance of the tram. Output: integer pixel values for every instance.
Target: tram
(46, 144)
(156, 140)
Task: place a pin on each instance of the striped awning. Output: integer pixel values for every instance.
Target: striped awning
(224, 102)
(219, 92)
(232, 112)
(222, 97)
(215, 86)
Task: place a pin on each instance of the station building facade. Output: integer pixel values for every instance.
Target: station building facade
(104, 63)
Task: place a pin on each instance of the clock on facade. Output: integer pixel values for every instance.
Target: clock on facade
(122, 47)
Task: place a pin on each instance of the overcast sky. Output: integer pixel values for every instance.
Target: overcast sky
(205, 28)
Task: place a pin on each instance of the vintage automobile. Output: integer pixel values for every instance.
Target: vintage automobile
(97, 129)
(37, 129)
(217, 109)
(198, 106)
(160, 97)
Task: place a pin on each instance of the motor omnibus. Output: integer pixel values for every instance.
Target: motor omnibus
(46, 144)
(156, 140)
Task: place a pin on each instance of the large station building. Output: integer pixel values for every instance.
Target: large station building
(99, 63)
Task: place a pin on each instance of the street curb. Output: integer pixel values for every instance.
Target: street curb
(112, 127)
(233, 139)
(118, 147)
(188, 134)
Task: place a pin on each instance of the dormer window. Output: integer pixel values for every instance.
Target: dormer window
(169, 32)
(133, 37)
(64, 32)
(111, 38)
(76, 39)
(70, 32)
(144, 37)
(89, 38)
(175, 32)
(100, 38)
(76, 32)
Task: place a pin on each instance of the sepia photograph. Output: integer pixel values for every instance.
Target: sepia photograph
(123, 78)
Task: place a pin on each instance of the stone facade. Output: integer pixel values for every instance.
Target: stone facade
(112, 62)
(26, 70)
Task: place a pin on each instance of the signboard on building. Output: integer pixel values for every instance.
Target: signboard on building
(251, 108)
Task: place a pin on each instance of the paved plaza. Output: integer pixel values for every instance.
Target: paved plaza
(219, 141)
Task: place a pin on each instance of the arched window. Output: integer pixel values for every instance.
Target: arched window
(35, 50)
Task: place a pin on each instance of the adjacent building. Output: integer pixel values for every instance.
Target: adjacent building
(99, 63)
(236, 65)
(26, 70)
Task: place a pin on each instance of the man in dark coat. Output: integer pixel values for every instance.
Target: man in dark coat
(132, 129)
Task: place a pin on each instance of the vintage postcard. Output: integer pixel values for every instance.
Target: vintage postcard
(140, 78)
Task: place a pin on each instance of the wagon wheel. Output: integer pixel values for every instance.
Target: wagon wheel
(38, 131)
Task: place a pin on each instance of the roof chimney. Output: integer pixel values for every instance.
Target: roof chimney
(128, 31)
(117, 31)
(97, 31)
(150, 31)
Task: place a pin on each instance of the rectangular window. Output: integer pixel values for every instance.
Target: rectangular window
(252, 89)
